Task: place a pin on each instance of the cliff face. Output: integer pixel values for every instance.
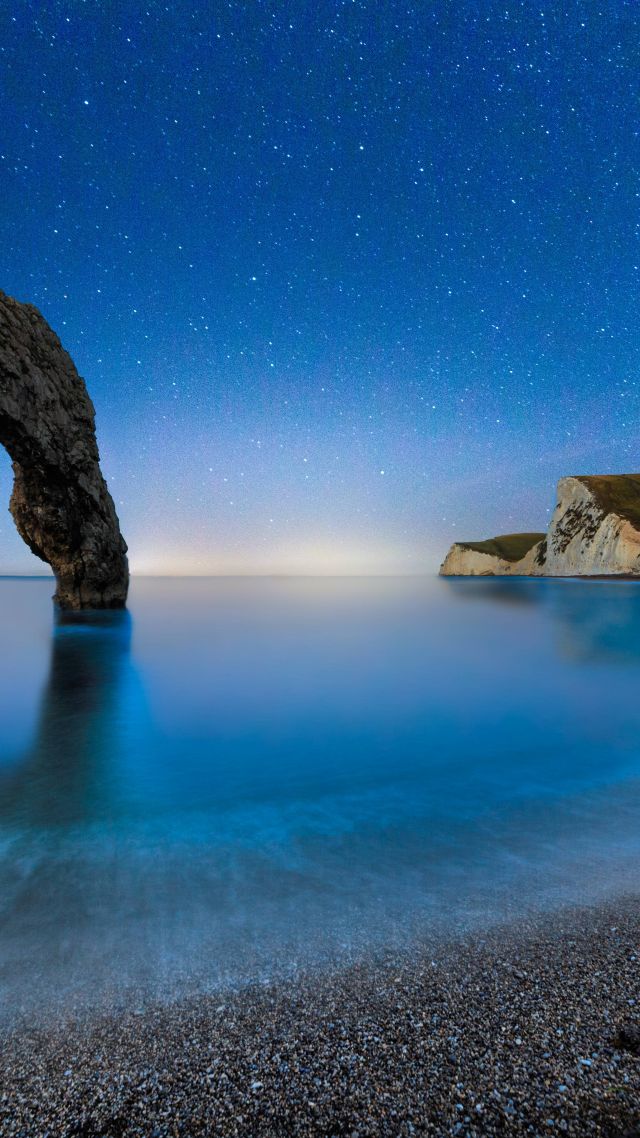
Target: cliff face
(595, 528)
(60, 502)
(509, 554)
(594, 531)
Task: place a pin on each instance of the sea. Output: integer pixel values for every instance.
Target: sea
(239, 779)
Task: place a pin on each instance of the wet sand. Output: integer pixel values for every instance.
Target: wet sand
(531, 1029)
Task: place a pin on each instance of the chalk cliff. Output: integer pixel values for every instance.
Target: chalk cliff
(594, 531)
(60, 502)
(511, 553)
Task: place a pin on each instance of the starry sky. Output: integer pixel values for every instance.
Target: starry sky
(348, 280)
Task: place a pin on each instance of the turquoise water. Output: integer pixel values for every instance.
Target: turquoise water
(244, 777)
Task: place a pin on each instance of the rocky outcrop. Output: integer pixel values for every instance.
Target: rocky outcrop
(60, 502)
(498, 556)
(594, 531)
(595, 528)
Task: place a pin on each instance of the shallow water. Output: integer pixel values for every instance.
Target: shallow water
(245, 777)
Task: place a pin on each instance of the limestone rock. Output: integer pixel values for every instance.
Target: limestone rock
(595, 528)
(60, 502)
(502, 556)
(594, 531)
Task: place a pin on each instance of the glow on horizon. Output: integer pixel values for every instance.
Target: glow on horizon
(308, 559)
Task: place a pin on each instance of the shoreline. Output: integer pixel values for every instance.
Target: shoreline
(541, 576)
(526, 1029)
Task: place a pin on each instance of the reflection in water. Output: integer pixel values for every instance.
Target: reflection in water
(601, 627)
(57, 780)
(593, 619)
(276, 773)
(500, 590)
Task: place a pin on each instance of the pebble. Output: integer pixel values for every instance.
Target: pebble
(392, 1046)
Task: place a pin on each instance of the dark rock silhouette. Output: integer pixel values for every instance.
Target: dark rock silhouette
(60, 502)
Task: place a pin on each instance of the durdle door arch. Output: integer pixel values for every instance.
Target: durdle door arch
(60, 502)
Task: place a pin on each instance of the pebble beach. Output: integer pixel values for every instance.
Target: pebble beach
(533, 1028)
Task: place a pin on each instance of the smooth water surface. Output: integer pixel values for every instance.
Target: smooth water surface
(243, 777)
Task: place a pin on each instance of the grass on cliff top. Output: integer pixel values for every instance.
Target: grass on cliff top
(509, 546)
(616, 494)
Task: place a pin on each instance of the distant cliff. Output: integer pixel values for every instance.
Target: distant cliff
(594, 531)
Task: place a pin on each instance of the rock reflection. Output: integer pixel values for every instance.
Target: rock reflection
(60, 778)
(594, 620)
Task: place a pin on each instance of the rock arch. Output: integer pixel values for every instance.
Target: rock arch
(60, 502)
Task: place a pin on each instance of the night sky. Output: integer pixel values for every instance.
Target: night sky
(347, 281)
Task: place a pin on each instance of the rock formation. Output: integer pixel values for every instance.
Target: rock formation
(594, 531)
(498, 556)
(60, 502)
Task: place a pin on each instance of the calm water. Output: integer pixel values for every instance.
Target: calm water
(249, 776)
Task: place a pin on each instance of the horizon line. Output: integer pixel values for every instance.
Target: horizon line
(219, 576)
